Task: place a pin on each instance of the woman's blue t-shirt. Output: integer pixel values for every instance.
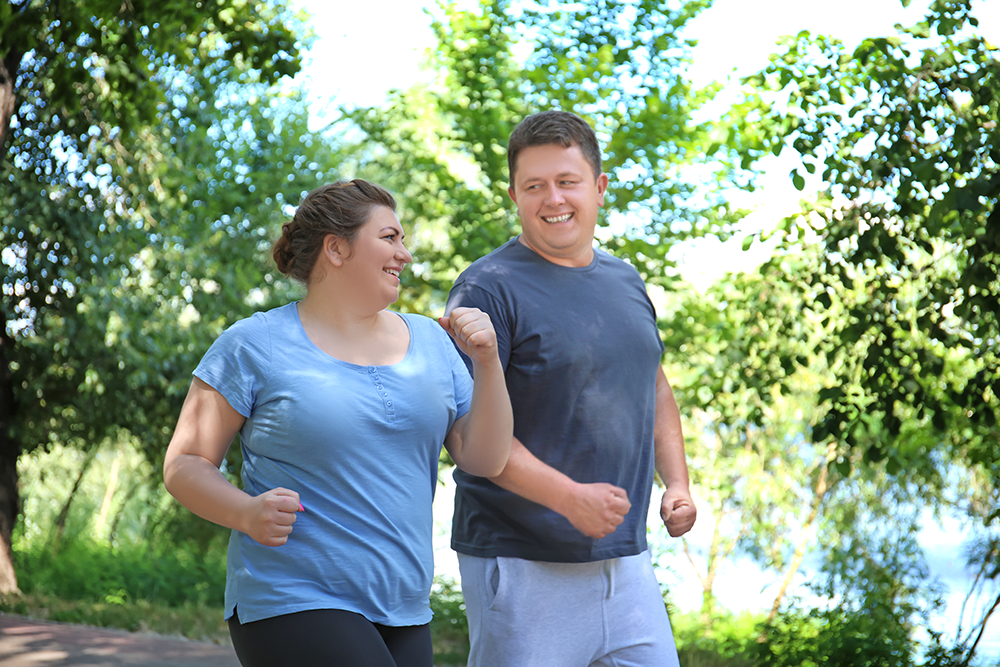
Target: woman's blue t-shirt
(360, 444)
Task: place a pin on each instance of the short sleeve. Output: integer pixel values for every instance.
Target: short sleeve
(462, 379)
(466, 295)
(237, 363)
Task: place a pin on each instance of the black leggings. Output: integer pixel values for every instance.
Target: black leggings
(329, 638)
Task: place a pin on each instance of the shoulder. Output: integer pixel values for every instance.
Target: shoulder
(428, 337)
(257, 335)
(607, 264)
(498, 264)
(261, 323)
(420, 323)
(423, 327)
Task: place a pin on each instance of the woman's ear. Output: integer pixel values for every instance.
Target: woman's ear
(335, 249)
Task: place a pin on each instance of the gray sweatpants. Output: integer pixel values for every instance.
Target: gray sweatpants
(533, 614)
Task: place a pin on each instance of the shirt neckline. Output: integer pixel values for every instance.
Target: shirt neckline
(302, 331)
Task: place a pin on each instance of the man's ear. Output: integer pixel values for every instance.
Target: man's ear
(602, 187)
(335, 249)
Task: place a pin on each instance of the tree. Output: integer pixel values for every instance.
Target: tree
(742, 362)
(891, 272)
(84, 214)
(441, 146)
(903, 131)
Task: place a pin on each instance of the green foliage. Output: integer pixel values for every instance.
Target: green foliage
(442, 146)
(874, 591)
(903, 133)
(124, 539)
(867, 639)
(874, 636)
(724, 644)
(96, 60)
(877, 312)
(86, 570)
(126, 254)
(449, 627)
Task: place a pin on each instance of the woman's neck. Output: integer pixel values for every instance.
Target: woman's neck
(353, 335)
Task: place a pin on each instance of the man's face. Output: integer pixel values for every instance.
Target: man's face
(557, 198)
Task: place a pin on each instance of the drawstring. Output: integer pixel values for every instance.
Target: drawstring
(609, 566)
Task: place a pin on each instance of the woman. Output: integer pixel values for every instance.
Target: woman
(342, 407)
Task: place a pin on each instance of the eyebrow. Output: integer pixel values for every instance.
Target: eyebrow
(398, 230)
(562, 174)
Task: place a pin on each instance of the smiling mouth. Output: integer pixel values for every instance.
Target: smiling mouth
(392, 272)
(557, 218)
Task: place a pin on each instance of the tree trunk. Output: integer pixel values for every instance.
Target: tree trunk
(60, 526)
(8, 98)
(109, 495)
(10, 451)
(800, 549)
(717, 554)
(126, 502)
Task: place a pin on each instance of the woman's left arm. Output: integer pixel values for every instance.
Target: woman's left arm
(479, 441)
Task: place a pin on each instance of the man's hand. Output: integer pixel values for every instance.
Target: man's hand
(678, 511)
(597, 509)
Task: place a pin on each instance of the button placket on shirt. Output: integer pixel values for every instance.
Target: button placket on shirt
(390, 410)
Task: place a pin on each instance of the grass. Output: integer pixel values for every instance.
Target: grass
(199, 622)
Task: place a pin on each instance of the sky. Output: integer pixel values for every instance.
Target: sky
(366, 48)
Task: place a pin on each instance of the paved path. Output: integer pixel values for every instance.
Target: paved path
(25, 642)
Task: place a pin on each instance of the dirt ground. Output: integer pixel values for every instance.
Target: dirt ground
(25, 642)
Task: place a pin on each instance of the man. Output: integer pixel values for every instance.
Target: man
(552, 552)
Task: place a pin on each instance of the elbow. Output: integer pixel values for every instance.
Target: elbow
(172, 472)
(491, 473)
(490, 468)
(168, 477)
(495, 471)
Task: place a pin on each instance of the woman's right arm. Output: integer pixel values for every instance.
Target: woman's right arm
(205, 429)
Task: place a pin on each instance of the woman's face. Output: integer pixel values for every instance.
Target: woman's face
(377, 255)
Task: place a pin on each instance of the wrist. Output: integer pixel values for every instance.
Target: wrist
(564, 496)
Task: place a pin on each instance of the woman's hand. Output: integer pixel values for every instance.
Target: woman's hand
(473, 331)
(205, 429)
(271, 515)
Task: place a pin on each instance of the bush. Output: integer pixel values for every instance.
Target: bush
(723, 644)
(450, 627)
(85, 570)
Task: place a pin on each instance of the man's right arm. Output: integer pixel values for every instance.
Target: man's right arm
(594, 509)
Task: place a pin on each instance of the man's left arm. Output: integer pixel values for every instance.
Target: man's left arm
(677, 508)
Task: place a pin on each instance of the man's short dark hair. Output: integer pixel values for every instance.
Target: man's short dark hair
(554, 127)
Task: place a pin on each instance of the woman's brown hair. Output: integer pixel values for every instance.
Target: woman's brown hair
(340, 208)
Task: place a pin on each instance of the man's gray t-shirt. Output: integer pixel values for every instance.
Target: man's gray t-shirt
(581, 350)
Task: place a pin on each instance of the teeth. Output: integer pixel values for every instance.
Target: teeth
(559, 218)
(392, 272)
